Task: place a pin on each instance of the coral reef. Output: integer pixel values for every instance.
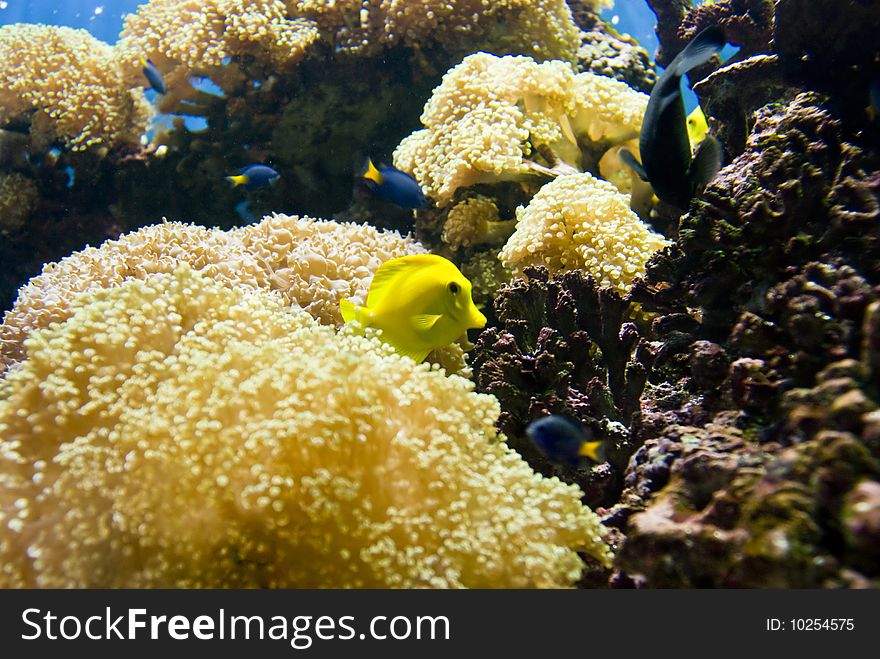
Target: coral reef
(208, 436)
(19, 196)
(564, 345)
(727, 358)
(799, 189)
(311, 263)
(747, 24)
(580, 222)
(183, 38)
(475, 221)
(508, 118)
(68, 86)
(541, 28)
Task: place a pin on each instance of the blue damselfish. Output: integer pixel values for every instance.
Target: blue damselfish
(394, 185)
(564, 440)
(254, 177)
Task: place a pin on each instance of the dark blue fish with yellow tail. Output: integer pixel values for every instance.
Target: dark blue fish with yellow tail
(254, 177)
(663, 143)
(151, 73)
(566, 441)
(393, 185)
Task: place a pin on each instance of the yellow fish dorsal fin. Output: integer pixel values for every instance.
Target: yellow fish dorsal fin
(424, 322)
(373, 174)
(390, 273)
(590, 450)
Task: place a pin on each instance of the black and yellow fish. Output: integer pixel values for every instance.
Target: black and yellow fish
(663, 143)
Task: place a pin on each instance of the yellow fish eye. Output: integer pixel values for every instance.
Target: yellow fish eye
(454, 288)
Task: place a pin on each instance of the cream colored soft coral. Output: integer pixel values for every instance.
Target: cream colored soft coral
(174, 432)
(313, 263)
(492, 118)
(182, 37)
(318, 263)
(542, 28)
(73, 83)
(475, 221)
(580, 222)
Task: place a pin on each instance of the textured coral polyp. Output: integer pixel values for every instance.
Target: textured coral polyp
(311, 263)
(492, 116)
(175, 432)
(75, 85)
(580, 222)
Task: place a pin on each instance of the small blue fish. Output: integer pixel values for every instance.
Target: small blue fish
(151, 73)
(565, 440)
(254, 176)
(394, 185)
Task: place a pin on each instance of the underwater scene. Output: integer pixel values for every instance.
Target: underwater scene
(440, 294)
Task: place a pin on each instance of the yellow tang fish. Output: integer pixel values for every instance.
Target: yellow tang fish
(420, 302)
(697, 127)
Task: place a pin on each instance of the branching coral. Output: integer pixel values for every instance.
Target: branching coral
(562, 345)
(177, 433)
(579, 221)
(313, 263)
(492, 118)
(19, 196)
(73, 83)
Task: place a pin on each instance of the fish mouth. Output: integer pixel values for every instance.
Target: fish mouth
(477, 320)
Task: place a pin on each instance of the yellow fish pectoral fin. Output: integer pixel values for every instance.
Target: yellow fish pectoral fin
(590, 450)
(424, 322)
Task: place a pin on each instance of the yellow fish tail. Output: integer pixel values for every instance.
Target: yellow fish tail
(350, 311)
(373, 174)
(590, 450)
(241, 179)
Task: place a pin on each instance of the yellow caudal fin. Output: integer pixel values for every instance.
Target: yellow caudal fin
(590, 450)
(372, 173)
(241, 179)
(348, 310)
